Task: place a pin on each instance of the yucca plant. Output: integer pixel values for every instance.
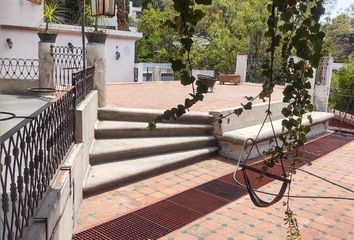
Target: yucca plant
(53, 13)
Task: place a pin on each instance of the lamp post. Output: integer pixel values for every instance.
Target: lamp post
(83, 40)
(103, 8)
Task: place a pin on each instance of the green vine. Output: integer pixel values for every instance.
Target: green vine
(293, 27)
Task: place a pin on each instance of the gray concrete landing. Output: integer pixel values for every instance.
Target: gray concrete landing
(21, 105)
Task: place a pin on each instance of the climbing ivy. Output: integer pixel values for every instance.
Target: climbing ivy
(293, 27)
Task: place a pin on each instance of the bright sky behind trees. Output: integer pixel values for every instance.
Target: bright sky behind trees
(341, 6)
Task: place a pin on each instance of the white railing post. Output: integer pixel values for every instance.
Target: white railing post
(241, 67)
(46, 65)
(323, 84)
(96, 56)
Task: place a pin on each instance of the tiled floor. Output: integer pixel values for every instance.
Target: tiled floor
(149, 95)
(318, 218)
(323, 219)
(128, 198)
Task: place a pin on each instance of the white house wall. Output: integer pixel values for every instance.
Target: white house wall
(20, 13)
(21, 19)
(25, 45)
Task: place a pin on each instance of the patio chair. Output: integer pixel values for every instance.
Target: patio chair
(208, 81)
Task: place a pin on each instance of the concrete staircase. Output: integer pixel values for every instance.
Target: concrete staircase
(126, 150)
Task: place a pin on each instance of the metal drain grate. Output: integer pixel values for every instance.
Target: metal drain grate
(130, 226)
(168, 214)
(198, 201)
(223, 189)
(90, 234)
(161, 218)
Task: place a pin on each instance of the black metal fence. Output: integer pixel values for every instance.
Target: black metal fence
(31, 154)
(148, 75)
(67, 60)
(167, 74)
(83, 85)
(16, 68)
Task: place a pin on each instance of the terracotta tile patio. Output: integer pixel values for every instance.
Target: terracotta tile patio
(164, 95)
(240, 219)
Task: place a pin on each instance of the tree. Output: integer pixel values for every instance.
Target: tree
(343, 87)
(339, 37)
(158, 42)
(227, 30)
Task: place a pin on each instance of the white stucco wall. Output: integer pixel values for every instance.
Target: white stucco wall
(25, 45)
(21, 19)
(20, 13)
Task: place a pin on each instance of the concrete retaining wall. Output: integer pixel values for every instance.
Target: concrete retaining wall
(247, 118)
(58, 212)
(16, 85)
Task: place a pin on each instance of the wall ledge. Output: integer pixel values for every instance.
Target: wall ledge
(64, 28)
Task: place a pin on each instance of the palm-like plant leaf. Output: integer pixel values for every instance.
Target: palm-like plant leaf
(53, 13)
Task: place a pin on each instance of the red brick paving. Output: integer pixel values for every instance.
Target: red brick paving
(164, 95)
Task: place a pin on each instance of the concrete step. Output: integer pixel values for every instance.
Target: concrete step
(106, 150)
(113, 174)
(123, 129)
(147, 115)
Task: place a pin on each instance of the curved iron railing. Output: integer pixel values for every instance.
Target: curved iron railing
(16, 68)
(83, 85)
(30, 155)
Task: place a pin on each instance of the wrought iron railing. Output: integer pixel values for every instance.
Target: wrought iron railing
(30, 155)
(148, 75)
(16, 68)
(67, 60)
(83, 85)
(167, 74)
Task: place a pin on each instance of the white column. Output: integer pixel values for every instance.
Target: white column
(96, 56)
(46, 65)
(140, 68)
(323, 84)
(157, 74)
(241, 67)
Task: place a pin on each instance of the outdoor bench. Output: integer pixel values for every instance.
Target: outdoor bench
(230, 78)
(235, 130)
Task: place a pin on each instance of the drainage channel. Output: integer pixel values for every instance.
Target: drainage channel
(166, 216)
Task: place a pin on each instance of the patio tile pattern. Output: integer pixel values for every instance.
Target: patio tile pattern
(228, 222)
(318, 218)
(137, 195)
(164, 95)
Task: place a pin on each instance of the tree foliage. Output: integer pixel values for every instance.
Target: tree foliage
(159, 41)
(342, 88)
(339, 41)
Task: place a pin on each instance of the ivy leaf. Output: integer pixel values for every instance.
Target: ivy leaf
(177, 65)
(152, 126)
(238, 111)
(187, 43)
(247, 106)
(307, 85)
(310, 119)
(197, 16)
(286, 112)
(310, 107)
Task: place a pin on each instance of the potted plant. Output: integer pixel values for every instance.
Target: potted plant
(53, 13)
(97, 36)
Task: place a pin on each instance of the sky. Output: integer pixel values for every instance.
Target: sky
(340, 6)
